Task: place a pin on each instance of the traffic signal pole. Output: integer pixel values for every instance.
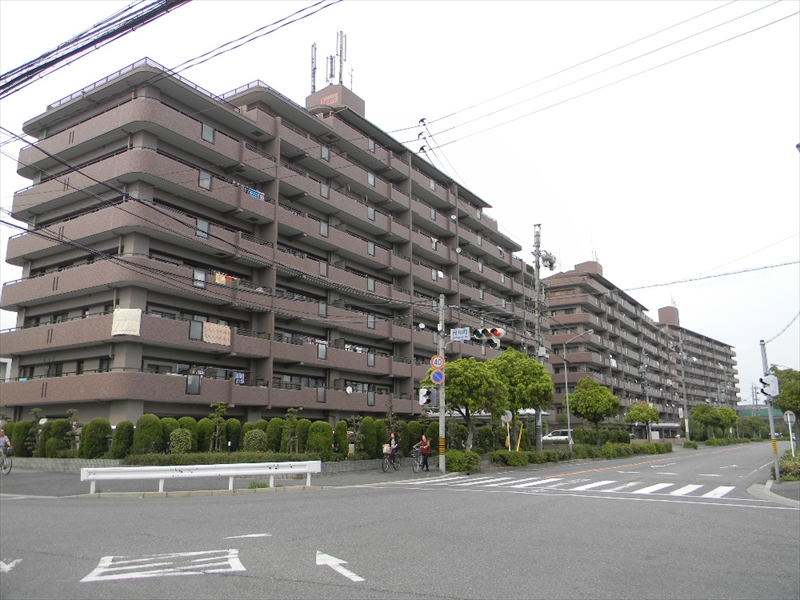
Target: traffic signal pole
(768, 403)
(442, 342)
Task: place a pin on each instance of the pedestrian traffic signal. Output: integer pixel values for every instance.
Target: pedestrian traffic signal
(770, 386)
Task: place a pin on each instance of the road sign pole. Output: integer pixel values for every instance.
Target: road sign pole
(768, 404)
(442, 445)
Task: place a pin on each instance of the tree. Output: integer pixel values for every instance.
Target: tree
(753, 427)
(594, 402)
(725, 417)
(218, 418)
(473, 387)
(701, 417)
(529, 383)
(789, 398)
(641, 412)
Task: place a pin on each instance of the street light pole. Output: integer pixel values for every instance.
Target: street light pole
(566, 381)
(441, 347)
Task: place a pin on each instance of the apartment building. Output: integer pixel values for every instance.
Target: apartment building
(598, 330)
(186, 248)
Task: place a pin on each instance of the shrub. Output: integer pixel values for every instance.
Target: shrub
(550, 455)
(233, 433)
(458, 461)
(340, 438)
(22, 440)
(212, 458)
(382, 437)
(790, 468)
(122, 441)
(511, 458)
(586, 451)
(148, 436)
(262, 424)
(433, 435)
(401, 431)
(689, 445)
(369, 442)
(94, 439)
(205, 431)
(191, 424)
(535, 458)
(608, 451)
(9, 429)
(168, 425)
(274, 434)
(247, 427)
(624, 449)
(44, 435)
(60, 430)
(301, 431)
(414, 432)
(320, 439)
(255, 440)
(180, 441)
(53, 446)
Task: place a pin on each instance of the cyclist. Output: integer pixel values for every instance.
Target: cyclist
(4, 441)
(394, 446)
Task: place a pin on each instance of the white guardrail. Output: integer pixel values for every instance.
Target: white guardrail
(95, 474)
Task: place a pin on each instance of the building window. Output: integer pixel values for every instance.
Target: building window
(204, 180)
(196, 330)
(25, 373)
(480, 241)
(370, 321)
(370, 284)
(321, 395)
(370, 213)
(371, 145)
(59, 317)
(202, 228)
(323, 269)
(325, 153)
(323, 229)
(323, 309)
(480, 266)
(207, 133)
(371, 248)
(480, 293)
(104, 366)
(434, 275)
(199, 278)
(370, 398)
(433, 214)
(322, 352)
(432, 185)
(502, 277)
(324, 190)
(55, 370)
(79, 368)
(371, 179)
(370, 359)
(193, 383)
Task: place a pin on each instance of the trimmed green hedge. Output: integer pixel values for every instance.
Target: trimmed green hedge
(94, 438)
(122, 441)
(458, 461)
(726, 441)
(255, 440)
(180, 441)
(213, 458)
(149, 435)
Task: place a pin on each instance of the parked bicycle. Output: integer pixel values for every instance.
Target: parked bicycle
(5, 461)
(416, 455)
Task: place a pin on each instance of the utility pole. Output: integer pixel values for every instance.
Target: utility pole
(441, 346)
(549, 261)
(768, 403)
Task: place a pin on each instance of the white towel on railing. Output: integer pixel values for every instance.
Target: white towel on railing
(127, 321)
(214, 333)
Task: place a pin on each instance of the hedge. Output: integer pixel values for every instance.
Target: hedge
(94, 438)
(180, 441)
(149, 436)
(457, 461)
(255, 440)
(320, 439)
(191, 424)
(213, 458)
(122, 441)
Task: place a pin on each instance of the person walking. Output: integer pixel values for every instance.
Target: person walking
(425, 449)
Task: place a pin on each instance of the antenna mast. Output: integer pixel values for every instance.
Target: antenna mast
(313, 67)
(341, 52)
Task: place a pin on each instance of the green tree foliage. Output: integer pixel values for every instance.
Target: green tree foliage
(320, 439)
(789, 399)
(180, 441)
(168, 425)
(303, 426)
(289, 432)
(382, 435)
(148, 436)
(529, 384)
(122, 441)
(340, 442)
(44, 436)
(753, 427)
(414, 432)
(473, 387)
(205, 433)
(401, 432)
(641, 412)
(433, 435)
(274, 434)
(255, 440)
(191, 424)
(368, 438)
(56, 435)
(262, 424)
(218, 440)
(94, 439)
(725, 418)
(701, 422)
(233, 433)
(248, 426)
(594, 402)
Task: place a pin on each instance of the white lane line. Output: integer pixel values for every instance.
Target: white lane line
(482, 481)
(659, 466)
(666, 473)
(653, 488)
(533, 483)
(589, 486)
(718, 492)
(630, 472)
(709, 475)
(687, 489)
(248, 535)
(623, 486)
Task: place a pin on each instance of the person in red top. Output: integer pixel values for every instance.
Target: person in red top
(425, 449)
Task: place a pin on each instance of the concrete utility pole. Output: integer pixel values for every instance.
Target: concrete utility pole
(768, 403)
(549, 261)
(441, 346)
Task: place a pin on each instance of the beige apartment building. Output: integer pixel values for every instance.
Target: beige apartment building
(605, 334)
(186, 248)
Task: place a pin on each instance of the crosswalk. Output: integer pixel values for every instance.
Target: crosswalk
(573, 484)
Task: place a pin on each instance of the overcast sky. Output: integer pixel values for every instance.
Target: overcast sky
(661, 173)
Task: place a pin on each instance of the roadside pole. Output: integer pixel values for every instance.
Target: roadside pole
(768, 403)
(441, 346)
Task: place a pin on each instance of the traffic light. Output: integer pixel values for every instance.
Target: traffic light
(770, 386)
(428, 396)
(490, 335)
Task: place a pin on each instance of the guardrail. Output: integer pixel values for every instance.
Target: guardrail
(95, 474)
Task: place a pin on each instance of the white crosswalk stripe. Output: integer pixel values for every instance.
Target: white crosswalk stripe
(718, 492)
(512, 482)
(687, 489)
(589, 486)
(482, 482)
(533, 483)
(624, 486)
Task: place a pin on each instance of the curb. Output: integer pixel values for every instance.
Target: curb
(764, 492)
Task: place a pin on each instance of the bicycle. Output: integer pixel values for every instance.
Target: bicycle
(388, 460)
(416, 454)
(5, 462)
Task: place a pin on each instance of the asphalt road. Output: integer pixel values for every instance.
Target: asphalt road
(682, 525)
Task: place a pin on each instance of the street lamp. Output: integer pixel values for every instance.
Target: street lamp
(566, 381)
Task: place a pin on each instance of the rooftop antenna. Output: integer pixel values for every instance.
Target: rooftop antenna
(331, 74)
(341, 52)
(313, 67)
(351, 78)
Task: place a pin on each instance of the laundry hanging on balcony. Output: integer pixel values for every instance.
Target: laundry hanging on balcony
(127, 321)
(214, 333)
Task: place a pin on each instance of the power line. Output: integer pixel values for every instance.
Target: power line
(780, 333)
(644, 287)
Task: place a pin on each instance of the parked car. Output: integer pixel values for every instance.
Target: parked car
(559, 435)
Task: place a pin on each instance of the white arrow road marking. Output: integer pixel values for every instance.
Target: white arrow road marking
(248, 535)
(5, 568)
(336, 564)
